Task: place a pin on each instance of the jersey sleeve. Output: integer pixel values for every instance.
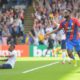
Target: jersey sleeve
(77, 22)
(60, 26)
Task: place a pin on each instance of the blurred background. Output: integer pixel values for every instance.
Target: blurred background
(27, 21)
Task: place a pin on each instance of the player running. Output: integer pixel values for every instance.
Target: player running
(70, 26)
(10, 62)
(61, 38)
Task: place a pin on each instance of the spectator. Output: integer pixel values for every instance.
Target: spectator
(11, 25)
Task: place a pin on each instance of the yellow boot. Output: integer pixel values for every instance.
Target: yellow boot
(74, 62)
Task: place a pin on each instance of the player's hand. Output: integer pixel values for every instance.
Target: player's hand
(46, 36)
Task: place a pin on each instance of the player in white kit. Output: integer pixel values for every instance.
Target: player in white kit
(61, 37)
(10, 62)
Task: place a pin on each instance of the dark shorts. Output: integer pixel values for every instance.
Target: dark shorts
(6, 66)
(63, 44)
(73, 44)
(51, 43)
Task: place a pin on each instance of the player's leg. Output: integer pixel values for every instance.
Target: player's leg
(78, 53)
(50, 45)
(63, 47)
(1, 66)
(47, 51)
(70, 46)
(70, 54)
(77, 47)
(63, 56)
(46, 44)
(5, 66)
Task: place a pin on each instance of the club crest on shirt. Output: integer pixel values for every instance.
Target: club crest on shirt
(72, 24)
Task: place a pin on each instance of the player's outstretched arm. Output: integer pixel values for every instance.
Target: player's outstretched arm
(54, 31)
(3, 60)
(7, 56)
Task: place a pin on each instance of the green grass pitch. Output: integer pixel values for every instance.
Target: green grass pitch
(54, 72)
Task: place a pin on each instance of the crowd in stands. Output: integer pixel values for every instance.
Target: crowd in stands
(47, 17)
(11, 23)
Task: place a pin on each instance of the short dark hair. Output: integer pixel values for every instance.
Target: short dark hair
(68, 10)
(12, 45)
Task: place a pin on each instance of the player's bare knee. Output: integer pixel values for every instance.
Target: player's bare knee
(69, 53)
(78, 53)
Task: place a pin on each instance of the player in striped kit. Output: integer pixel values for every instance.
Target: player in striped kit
(70, 26)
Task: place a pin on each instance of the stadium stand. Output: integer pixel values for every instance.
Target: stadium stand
(47, 14)
(41, 17)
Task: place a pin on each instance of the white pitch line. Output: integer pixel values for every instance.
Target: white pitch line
(30, 70)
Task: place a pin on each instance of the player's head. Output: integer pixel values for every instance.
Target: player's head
(11, 47)
(67, 13)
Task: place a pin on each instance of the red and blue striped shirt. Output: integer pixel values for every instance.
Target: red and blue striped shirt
(70, 28)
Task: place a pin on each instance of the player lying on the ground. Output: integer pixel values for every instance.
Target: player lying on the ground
(10, 62)
(70, 26)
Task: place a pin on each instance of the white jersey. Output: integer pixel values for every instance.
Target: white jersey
(61, 35)
(50, 29)
(12, 60)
